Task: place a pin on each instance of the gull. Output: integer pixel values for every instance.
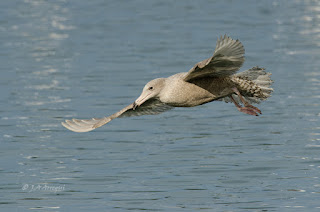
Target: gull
(209, 80)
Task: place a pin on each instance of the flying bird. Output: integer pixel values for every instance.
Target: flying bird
(212, 79)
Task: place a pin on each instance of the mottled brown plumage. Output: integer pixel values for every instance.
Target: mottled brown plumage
(212, 79)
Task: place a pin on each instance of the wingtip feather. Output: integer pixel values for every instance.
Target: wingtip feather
(74, 126)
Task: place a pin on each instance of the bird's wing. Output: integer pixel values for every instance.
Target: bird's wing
(86, 125)
(150, 107)
(226, 60)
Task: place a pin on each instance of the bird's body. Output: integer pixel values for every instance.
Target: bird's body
(212, 79)
(179, 93)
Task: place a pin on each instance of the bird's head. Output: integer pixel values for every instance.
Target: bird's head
(151, 90)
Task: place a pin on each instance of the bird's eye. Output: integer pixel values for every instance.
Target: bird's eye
(150, 88)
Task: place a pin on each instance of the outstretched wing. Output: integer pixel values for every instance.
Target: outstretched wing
(86, 125)
(226, 60)
(150, 107)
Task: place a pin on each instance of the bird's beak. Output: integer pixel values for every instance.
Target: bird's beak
(140, 100)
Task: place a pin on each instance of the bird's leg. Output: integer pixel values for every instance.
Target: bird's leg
(248, 109)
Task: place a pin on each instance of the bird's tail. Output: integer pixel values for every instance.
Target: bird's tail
(253, 84)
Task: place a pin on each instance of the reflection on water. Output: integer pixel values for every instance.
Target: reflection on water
(63, 59)
(302, 49)
(40, 31)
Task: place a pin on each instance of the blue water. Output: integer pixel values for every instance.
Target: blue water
(63, 59)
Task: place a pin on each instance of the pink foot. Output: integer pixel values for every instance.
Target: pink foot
(248, 110)
(254, 108)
